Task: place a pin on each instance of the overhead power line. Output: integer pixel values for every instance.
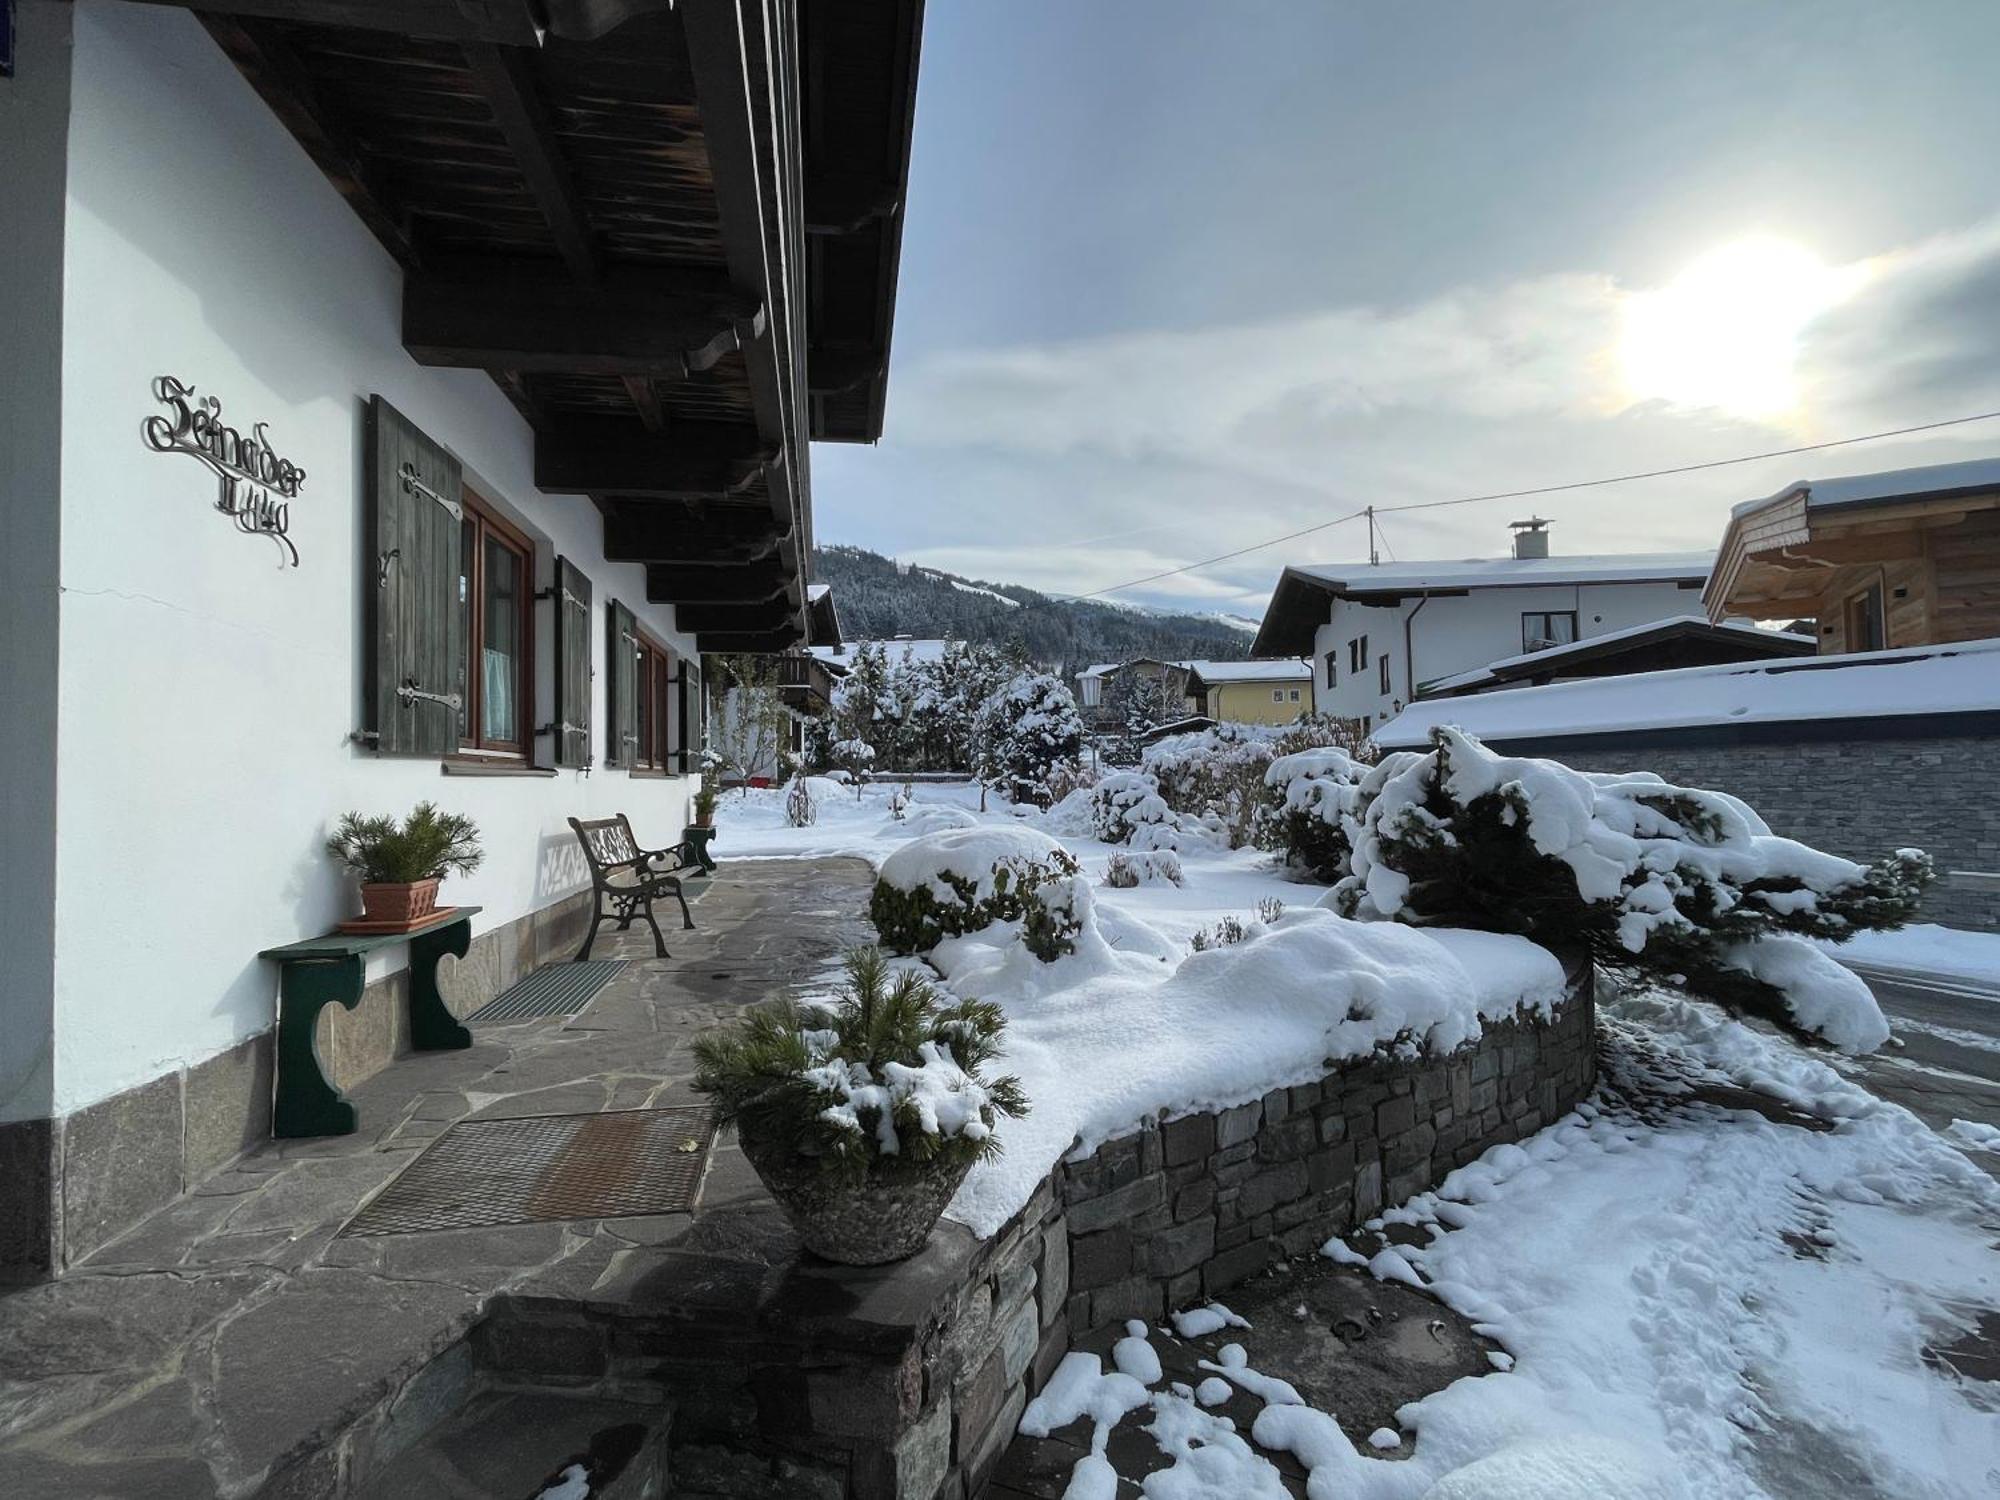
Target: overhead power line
(1540, 489)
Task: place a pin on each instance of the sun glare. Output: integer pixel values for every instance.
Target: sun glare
(1725, 332)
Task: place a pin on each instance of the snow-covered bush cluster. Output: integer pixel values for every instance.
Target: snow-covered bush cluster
(1688, 884)
(1307, 797)
(1215, 774)
(1126, 872)
(881, 1076)
(917, 714)
(964, 880)
(1126, 808)
(1024, 733)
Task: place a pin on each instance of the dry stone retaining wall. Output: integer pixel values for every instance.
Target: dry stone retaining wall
(1180, 1212)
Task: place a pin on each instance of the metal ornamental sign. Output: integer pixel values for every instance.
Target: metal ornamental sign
(255, 485)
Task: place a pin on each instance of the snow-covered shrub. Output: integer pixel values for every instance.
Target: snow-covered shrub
(1143, 867)
(1024, 732)
(1322, 732)
(1126, 808)
(801, 806)
(964, 880)
(1684, 883)
(1214, 774)
(854, 757)
(936, 817)
(881, 1077)
(1306, 797)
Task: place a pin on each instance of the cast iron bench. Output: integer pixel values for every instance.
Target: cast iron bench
(332, 970)
(631, 878)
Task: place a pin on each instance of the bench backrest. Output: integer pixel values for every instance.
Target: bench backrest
(607, 843)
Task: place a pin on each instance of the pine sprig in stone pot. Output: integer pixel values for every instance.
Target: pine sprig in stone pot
(862, 1114)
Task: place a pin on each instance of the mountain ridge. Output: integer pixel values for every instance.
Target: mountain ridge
(880, 597)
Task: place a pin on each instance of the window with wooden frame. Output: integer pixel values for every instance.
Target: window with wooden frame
(1357, 653)
(1332, 672)
(1867, 622)
(1543, 628)
(1383, 662)
(496, 571)
(653, 749)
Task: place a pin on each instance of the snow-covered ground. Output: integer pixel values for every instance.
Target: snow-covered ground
(1697, 1302)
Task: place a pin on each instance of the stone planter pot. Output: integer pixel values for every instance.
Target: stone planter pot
(888, 1217)
(390, 902)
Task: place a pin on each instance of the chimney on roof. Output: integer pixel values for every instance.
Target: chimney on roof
(1531, 537)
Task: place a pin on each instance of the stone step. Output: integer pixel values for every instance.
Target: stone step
(515, 1445)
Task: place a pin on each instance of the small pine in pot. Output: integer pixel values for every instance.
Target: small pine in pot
(400, 864)
(862, 1113)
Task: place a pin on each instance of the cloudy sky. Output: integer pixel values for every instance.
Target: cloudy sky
(1181, 276)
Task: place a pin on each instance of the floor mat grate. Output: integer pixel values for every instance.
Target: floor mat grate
(552, 990)
(523, 1171)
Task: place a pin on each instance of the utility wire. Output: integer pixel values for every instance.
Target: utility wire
(1522, 494)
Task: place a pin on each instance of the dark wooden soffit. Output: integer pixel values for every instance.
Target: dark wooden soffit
(859, 100)
(517, 23)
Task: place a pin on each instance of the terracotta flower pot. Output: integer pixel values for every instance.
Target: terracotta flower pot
(888, 1216)
(398, 901)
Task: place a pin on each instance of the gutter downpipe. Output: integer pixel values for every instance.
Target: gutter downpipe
(1410, 649)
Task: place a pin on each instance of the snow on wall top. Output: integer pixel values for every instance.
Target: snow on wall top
(1509, 572)
(1932, 679)
(1889, 484)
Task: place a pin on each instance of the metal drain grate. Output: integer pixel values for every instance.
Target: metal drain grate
(602, 1166)
(552, 990)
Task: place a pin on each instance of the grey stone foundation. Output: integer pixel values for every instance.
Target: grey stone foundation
(68, 1186)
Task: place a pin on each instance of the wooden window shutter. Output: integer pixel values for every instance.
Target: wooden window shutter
(414, 643)
(621, 685)
(572, 725)
(694, 724)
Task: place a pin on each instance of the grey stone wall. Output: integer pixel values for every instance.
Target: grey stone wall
(1858, 798)
(1180, 1212)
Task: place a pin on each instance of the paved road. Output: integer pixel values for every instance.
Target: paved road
(1947, 1066)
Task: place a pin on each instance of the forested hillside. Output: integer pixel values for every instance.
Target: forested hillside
(879, 597)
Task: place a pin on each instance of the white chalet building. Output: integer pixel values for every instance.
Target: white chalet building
(1378, 634)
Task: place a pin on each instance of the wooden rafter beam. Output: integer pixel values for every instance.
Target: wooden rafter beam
(640, 531)
(283, 83)
(708, 583)
(748, 642)
(506, 77)
(514, 315)
(773, 613)
(612, 456)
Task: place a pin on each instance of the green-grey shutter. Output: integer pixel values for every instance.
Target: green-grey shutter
(621, 685)
(572, 725)
(694, 723)
(415, 637)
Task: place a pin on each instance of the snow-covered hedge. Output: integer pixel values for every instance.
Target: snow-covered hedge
(1126, 808)
(1307, 797)
(964, 880)
(1214, 774)
(1143, 867)
(1685, 883)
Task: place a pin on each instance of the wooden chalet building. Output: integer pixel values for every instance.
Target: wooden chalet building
(400, 398)
(1880, 561)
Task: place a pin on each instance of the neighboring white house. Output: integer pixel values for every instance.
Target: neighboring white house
(1377, 634)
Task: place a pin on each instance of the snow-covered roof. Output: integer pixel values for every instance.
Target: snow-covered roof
(1551, 658)
(1100, 669)
(817, 591)
(1249, 671)
(898, 650)
(1507, 572)
(1890, 484)
(1932, 679)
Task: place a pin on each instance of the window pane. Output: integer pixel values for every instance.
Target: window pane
(648, 711)
(1562, 629)
(468, 550)
(500, 651)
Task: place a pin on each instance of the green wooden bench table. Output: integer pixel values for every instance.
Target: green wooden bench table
(332, 970)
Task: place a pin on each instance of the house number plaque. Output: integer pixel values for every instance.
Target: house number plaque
(255, 487)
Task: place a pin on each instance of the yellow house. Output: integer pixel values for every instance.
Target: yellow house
(1250, 692)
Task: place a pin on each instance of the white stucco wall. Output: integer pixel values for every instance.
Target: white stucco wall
(1454, 633)
(207, 693)
(34, 123)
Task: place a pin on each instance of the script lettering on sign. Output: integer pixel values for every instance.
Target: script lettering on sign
(255, 487)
